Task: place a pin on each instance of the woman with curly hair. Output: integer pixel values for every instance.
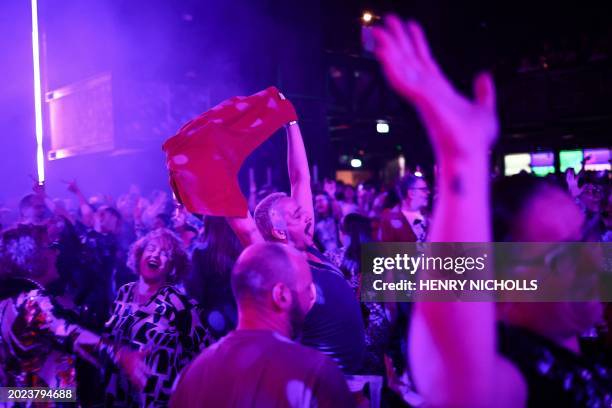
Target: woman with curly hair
(155, 317)
(38, 340)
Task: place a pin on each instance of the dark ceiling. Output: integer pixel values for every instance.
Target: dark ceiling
(551, 62)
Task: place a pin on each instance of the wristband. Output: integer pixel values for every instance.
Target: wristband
(293, 122)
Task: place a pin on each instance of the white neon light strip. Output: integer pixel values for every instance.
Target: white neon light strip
(40, 158)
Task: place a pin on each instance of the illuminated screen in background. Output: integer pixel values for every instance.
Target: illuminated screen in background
(540, 163)
(570, 158)
(597, 159)
(515, 163)
(543, 163)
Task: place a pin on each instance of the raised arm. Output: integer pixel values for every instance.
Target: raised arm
(299, 173)
(452, 345)
(299, 178)
(33, 315)
(86, 210)
(245, 229)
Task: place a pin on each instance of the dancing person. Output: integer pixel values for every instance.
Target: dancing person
(209, 282)
(182, 225)
(154, 317)
(100, 261)
(346, 200)
(334, 325)
(403, 222)
(326, 225)
(453, 346)
(39, 340)
(258, 365)
(526, 209)
(356, 230)
(87, 212)
(365, 199)
(226, 135)
(34, 210)
(162, 220)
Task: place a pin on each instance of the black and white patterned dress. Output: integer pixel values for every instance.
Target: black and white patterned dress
(168, 328)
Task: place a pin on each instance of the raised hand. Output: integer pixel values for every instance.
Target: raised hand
(462, 131)
(457, 124)
(133, 364)
(572, 183)
(73, 187)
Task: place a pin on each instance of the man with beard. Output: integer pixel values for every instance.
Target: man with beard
(334, 325)
(257, 364)
(203, 161)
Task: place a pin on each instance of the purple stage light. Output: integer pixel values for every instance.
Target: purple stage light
(40, 159)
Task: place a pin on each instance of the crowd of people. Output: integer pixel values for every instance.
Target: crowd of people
(164, 307)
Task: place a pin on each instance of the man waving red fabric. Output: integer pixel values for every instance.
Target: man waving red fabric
(204, 157)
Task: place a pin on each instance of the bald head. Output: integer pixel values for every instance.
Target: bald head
(261, 266)
(273, 287)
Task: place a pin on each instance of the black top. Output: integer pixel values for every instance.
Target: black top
(334, 325)
(555, 376)
(167, 328)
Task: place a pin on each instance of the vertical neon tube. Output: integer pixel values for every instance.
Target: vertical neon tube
(40, 158)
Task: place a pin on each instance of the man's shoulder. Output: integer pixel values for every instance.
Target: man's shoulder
(391, 214)
(276, 347)
(304, 357)
(263, 338)
(274, 363)
(308, 352)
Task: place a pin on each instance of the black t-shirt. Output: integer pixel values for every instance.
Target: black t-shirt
(555, 376)
(334, 325)
(260, 368)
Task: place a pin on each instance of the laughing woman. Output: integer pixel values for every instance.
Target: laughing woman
(154, 317)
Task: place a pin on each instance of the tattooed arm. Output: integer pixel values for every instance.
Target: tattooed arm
(452, 345)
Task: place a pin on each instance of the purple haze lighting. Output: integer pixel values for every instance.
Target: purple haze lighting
(40, 160)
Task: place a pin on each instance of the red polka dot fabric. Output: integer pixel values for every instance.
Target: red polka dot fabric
(204, 157)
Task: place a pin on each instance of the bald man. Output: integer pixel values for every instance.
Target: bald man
(258, 365)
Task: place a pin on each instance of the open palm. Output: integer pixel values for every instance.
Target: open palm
(456, 124)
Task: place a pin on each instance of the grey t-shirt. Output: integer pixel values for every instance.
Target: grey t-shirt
(260, 368)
